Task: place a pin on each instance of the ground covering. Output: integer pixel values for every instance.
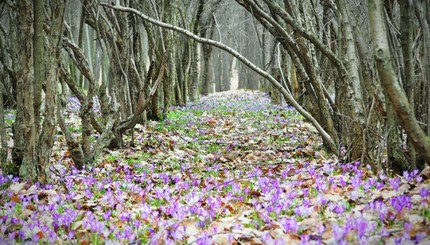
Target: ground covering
(228, 169)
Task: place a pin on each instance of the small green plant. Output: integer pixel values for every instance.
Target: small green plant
(9, 121)
(197, 112)
(160, 128)
(211, 173)
(60, 209)
(156, 202)
(313, 192)
(75, 129)
(259, 221)
(214, 148)
(228, 188)
(111, 158)
(426, 213)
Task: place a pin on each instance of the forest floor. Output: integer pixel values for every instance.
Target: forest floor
(229, 169)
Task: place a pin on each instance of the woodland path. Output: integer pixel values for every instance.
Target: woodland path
(229, 169)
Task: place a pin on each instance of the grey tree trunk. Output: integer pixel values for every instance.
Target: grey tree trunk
(194, 77)
(46, 135)
(24, 126)
(353, 133)
(408, 74)
(420, 7)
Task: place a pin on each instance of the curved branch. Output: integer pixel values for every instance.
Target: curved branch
(245, 61)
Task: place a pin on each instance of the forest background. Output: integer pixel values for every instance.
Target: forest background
(116, 124)
(358, 71)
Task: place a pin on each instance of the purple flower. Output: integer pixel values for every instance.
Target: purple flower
(107, 215)
(384, 232)
(342, 182)
(290, 225)
(328, 168)
(419, 179)
(178, 232)
(320, 185)
(361, 225)
(356, 182)
(267, 238)
(71, 235)
(338, 209)
(321, 200)
(398, 240)
(302, 211)
(420, 236)
(424, 192)
(407, 226)
(203, 240)
(395, 183)
(305, 239)
(338, 233)
(321, 230)
(12, 235)
(128, 233)
(305, 192)
(400, 202)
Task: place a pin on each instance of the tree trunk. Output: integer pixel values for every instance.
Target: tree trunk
(408, 76)
(24, 126)
(425, 27)
(194, 77)
(46, 135)
(353, 133)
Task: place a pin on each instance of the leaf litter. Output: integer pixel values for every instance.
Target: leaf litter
(228, 169)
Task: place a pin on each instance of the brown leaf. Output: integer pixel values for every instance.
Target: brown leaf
(40, 234)
(30, 207)
(291, 172)
(14, 198)
(255, 193)
(212, 121)
(85, 242)
(67, 153)
(229, 207)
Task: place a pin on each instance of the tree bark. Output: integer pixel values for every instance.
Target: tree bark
(194, 77)
(425, 27)
(46, 133)
(408, 76)
(24, 126)
(38, 58)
